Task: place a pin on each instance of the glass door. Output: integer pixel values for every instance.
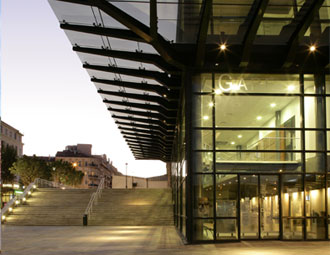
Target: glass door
(259, 206)
(269, 207)
(249, 207)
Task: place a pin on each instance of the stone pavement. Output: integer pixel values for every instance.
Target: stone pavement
(76, 240)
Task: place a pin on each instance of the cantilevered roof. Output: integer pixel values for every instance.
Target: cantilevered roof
(138, 52)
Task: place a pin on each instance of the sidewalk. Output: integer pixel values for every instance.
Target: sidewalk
(19, 240)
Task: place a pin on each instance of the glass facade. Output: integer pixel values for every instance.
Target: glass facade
(259, 158)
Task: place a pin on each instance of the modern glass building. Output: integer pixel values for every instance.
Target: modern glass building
(233, 95)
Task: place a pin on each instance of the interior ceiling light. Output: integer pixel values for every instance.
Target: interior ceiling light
(312, 48)
(211, 104)
(259, 118)
(223, 47)
(232, 143)
(291, 88)
(272, 105)
(206, 117)
(217, 91)
(239, 136)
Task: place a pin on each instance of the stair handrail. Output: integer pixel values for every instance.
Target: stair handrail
(52, 184)
(16, 200)
(93, 200)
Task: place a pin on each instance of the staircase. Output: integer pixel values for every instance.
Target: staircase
(52, 207)
(137, 207)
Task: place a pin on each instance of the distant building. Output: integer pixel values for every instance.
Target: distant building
(93, 166)
(12, 137)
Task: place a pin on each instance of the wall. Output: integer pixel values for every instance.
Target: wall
(119, 182)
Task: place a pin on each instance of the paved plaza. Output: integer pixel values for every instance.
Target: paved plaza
(135, 240)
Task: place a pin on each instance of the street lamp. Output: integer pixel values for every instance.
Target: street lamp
(126, 174)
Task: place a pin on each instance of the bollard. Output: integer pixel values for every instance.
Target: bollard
(85, 220)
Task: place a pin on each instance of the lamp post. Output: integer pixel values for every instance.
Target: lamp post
(126, 174)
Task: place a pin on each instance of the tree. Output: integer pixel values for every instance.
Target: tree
(30, 168)
(8, 158)
(64, 172)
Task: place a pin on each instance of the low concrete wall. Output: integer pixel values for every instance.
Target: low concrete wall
(119, 182)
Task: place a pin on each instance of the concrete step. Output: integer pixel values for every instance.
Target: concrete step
(52, 207)
(133, 208)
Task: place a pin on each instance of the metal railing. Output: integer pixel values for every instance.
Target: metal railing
(41, 183)
(93, 200)
(21, 199)
(17, 200)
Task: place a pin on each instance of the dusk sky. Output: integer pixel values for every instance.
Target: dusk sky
(48, 96)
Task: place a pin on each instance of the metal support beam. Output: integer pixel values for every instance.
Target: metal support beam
(296, 30)
(250, 27)
(103, 31)
(158, 76)
(202, 33)
(150, 107)
(160, 90)
(147, 98)
(163, 47)
(144, 114)
(153, 18)
(149, 140)
(151, 136)
(145, 131)
(133, 56)
(150, 127)
(146, 146)
(149, 121)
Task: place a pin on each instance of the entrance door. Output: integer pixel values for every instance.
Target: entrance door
(259, 206)
(249, 207)
(269, 207)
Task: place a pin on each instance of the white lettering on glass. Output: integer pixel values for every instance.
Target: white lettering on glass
(227, 84)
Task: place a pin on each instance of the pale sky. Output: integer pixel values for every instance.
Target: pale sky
(48, 96)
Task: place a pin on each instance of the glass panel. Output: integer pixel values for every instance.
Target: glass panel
(271, 27)
(203, 187)
(269, 208)
(293, 229)
(292, 196)
(256, 83)
(203, 229)
(249, 207)
(328, 112)
(203, 140)
(137, 9)
(203, 107)
(258, 140)
(226, 195)
(314, 112)
(327, 84)
(205, 84)
(315, 228)
(227, 229)
(203, 162)
(315, 162)
(315, 195)
(310, 86)
(328, 193)
(167, 19)
(184, 198)
(258, 161)
(257, 111)
(314, 140)
(226, 18)
(188, 22)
